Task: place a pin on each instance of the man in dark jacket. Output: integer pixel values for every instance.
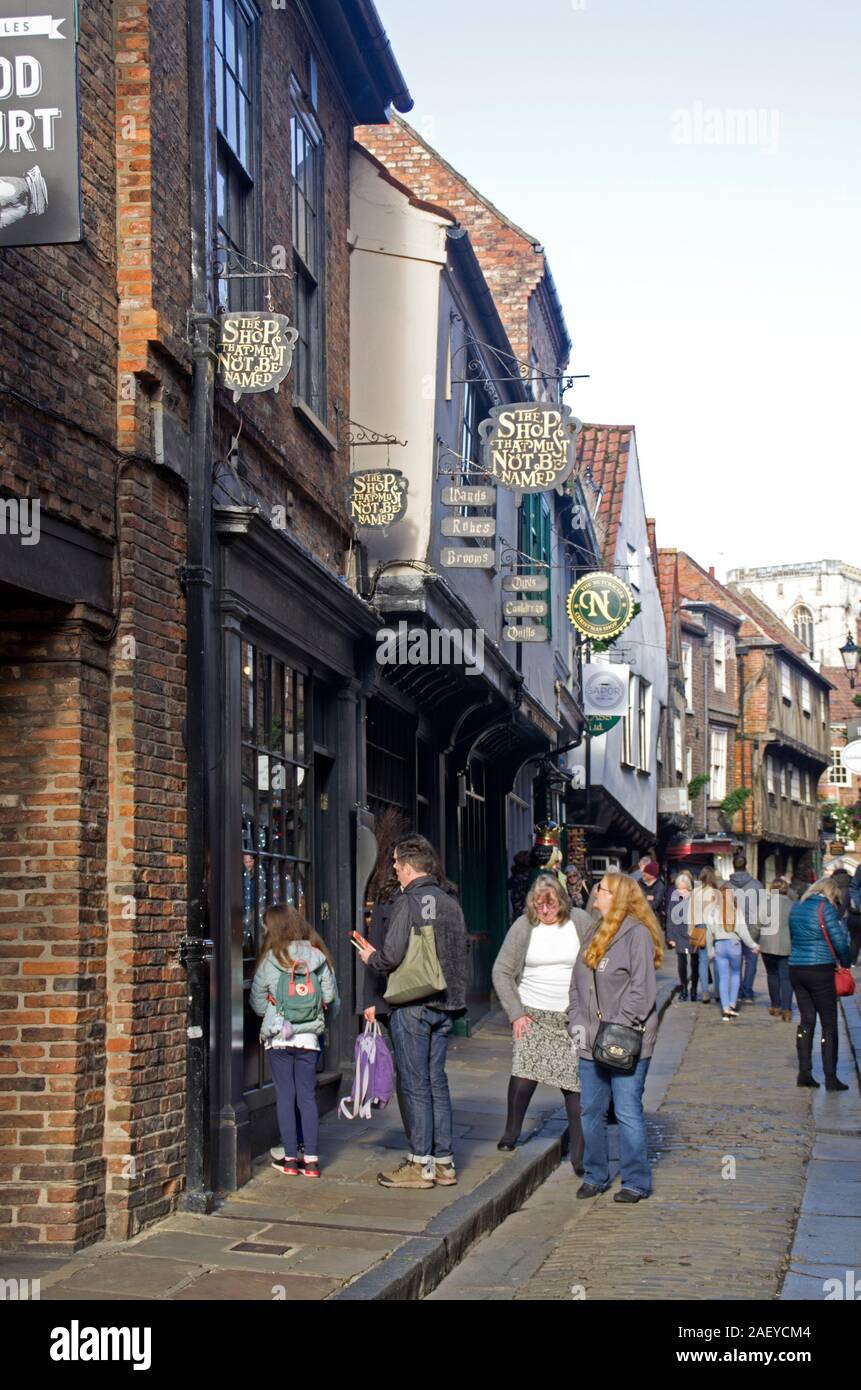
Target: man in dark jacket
(654, 889)
(852, 910)
(749, 893)
(420, 1030)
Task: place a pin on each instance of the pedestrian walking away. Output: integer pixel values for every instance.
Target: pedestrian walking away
(704, 902)
(817, 938)
(775, 944)
(619, 960)
(750, 893)
(726, 932)
(293, 988)
(678, 933)
(420, 1027)
(532, 978)
(853, 915)
(518, 883)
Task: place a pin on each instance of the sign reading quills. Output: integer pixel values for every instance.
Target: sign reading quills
(529, 447)
(40, 177)
(255, 352)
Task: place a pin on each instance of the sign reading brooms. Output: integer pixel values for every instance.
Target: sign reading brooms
(600, 606)
(529, 447)
(255, 352)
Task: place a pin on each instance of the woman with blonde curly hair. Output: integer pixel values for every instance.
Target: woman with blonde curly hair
(614, 981)
(532, 978)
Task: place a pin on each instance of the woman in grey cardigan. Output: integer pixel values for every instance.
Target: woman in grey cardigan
(531, 976)
(775, 943)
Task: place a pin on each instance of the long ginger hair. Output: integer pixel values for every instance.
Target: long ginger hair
(628, 901)
(284, 926)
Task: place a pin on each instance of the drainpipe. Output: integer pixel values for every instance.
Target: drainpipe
(196, 948)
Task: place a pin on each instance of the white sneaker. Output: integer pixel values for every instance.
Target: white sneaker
(277, 1153)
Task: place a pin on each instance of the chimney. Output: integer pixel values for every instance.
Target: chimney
(711, 571)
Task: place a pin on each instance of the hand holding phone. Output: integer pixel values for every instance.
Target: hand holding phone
(360, 943)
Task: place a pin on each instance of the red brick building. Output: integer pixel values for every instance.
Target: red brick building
(180, 661)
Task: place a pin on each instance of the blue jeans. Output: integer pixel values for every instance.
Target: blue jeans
(728, 963)
(600, 1084)
(702, 957)
(294, 1071)
(779, 983)
(749, 959)
(420, 1037)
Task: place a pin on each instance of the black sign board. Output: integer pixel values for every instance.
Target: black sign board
(378, 497)
(40, 176)
(255, 352)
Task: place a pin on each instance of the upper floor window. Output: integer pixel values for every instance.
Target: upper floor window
(536, 542)
(769, 774)
(234, 77)
(805, 695)
(309, 249)
(785, 682)
(677, 744)
(719, 740)
(795, 784)
(719, 639)
(476, 408)
(783, 780)
(802, 625)
(628, 722)
(643, 723)
(688, 670)
(838, 774)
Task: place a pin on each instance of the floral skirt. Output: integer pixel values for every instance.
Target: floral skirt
(546, 1053)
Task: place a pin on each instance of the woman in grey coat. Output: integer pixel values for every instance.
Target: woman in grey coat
(775, 944)
(532, 976)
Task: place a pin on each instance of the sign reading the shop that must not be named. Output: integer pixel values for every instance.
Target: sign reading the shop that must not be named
(378, 497)
(530, 446)
(40, 178)
(255, 352)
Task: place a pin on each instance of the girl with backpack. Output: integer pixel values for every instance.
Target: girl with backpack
(726, 929)
(293, 986)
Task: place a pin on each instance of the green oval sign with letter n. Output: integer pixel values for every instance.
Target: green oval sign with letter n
(600, 606)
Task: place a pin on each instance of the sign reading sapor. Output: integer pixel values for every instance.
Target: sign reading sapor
(40, 177)
(529, 447)
(255, 352)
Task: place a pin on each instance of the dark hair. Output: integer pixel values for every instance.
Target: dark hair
(418, 852)
(389, 828)
(520, 863)
(708, 877)
(739, 861)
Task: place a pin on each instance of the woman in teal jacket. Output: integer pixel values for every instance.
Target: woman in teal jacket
(813, 923)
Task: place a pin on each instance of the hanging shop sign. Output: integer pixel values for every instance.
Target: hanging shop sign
(378, 497)
(598, 724)
(255, 352)
(527, 632)
(482, 526)
(529, 447)
(469, 496)
(605, 689)
(526, 583)
(40, 173)
(851, 758)
(464, 559)
(524, 608)
(600, 606)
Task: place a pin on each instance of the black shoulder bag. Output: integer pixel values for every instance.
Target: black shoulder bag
(617, 1045)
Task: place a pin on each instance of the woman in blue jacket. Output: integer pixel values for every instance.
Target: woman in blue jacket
(812, 924)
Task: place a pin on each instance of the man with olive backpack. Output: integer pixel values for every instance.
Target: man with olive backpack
(424, 957)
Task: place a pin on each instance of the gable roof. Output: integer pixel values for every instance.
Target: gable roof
(668, 587)
(603, 452)
(768, 620)
(841, 706)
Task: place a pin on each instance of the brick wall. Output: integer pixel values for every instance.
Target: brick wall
(53, 768)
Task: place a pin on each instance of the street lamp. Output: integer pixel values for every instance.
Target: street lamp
(849, 653)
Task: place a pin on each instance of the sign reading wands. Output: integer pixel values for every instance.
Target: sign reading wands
(529, 447)
(40, 176)
(255, 352)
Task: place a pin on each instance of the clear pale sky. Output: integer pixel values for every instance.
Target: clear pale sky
(709, 268)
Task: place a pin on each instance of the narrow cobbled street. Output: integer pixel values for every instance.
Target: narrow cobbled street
(731, 1136)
